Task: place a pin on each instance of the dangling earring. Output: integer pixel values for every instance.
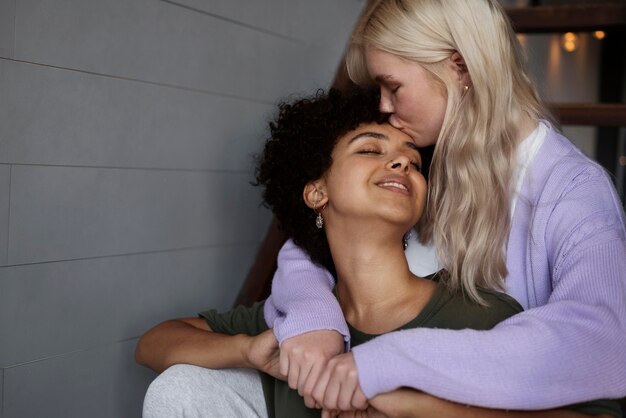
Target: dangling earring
(319, 221)
(406, 238)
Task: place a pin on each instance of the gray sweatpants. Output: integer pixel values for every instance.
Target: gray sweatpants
(185, 391)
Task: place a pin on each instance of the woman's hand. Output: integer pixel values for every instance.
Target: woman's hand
(304, 357)
(404, 402)
(263, 354)
(338, 386)
(366, 413)
(410, 403)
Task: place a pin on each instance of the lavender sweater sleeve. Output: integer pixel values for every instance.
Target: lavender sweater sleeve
(302, 298)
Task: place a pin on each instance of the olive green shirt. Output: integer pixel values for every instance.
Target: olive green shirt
(444, 310)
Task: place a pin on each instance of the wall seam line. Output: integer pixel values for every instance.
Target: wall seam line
(68, 353)
(164, 251)
(236, 22)
(106, 167)
(151, 83)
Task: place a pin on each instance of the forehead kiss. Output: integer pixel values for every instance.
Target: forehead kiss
(385, 134)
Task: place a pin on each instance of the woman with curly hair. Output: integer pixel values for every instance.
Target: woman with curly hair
(512, 205)
(346, 187)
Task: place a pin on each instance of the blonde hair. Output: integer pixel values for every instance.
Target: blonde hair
(471, 185)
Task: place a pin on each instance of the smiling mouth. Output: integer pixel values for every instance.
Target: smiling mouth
(394, 185)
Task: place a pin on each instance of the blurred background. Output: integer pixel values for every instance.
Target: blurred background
(127, 135)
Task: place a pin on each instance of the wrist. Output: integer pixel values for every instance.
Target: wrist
(244, 342)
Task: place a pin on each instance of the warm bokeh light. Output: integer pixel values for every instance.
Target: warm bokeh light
(569, 41)
(599, 34)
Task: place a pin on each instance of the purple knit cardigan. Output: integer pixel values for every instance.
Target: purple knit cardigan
(566, 257)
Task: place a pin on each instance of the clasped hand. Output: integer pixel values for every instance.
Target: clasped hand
(315, 365)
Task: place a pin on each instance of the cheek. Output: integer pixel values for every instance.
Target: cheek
(404, 106)
(430, 120)
(439, 105)
(424, 107)
(343, 185)
(421, 192)
(415, 111)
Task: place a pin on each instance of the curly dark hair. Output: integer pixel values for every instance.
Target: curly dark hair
(299, 150)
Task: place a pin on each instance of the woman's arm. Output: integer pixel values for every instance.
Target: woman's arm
(191, 341)
(306, 318)
(409, 403)
(569, 350)
(302, 300)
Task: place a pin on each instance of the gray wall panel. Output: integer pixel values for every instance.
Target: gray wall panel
(99, 383)
(7, 28)
(61, 213)
(302, 20)
(154, 41)
(80, 304)
(324, 26)
(127, 127)
(5, 196)
(63, 117)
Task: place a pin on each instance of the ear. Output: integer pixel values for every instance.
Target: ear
(314, 194)
(459, 66)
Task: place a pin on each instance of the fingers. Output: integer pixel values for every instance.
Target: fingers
(329, 414)
(338, 386)
(345, 395)
(303, 358)
(284, 362)
(359, 400)
(319, 389)
(330, 397)
(341, 388)
(298, 365)
(294, 374)
(306, 389)
(305, 370)
(309, 402)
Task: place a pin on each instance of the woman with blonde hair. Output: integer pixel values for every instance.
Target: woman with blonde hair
(346, 186)
(512, 205)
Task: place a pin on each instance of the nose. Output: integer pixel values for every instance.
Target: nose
(399, 162)
(385, 105)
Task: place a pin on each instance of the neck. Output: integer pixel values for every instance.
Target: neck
(376, 290)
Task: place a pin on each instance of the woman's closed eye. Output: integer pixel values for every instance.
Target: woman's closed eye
(372, 151)
(391, 88)
(369, 151)
(393, 91)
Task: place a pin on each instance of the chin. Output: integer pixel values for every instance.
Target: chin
(406, 224)
(402, 216)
